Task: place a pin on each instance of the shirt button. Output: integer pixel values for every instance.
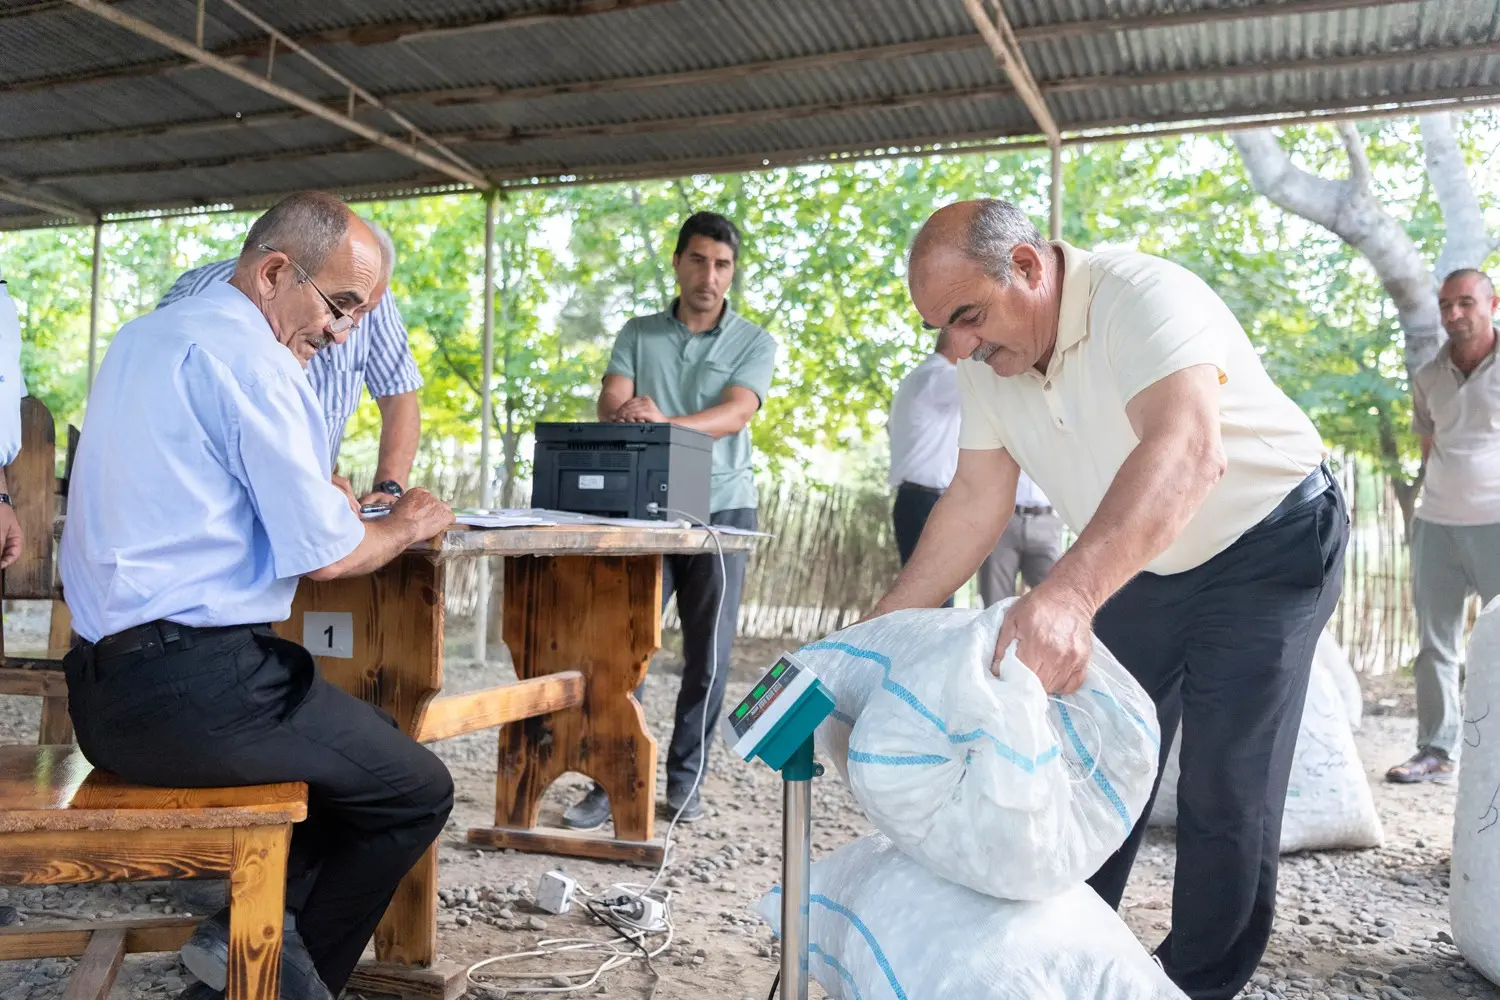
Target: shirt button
(1047, 386)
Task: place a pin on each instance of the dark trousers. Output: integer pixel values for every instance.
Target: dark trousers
(241, 706)
(1226, 648)
(697, 582)
(909, 514)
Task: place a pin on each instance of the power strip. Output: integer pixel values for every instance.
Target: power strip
(645, 912)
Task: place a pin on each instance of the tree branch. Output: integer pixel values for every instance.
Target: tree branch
(1359, 161)
(1467, 241)
(1274, 175)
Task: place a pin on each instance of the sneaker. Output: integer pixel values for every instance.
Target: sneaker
(1425, 765)
(206, 955)
(589, 812)
(692, 811)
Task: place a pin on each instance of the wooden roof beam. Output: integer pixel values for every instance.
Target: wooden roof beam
(22, 192)
(1001, 39)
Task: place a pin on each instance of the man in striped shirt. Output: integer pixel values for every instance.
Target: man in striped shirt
(376, 355)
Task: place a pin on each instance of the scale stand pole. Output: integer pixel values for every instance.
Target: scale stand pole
(796, 857)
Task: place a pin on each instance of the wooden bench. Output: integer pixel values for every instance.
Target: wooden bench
(39, 497)
(64, 823)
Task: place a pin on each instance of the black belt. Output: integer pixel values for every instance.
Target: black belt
(154, 639)
(1032, 511)
(1318, 482)
(918, 486)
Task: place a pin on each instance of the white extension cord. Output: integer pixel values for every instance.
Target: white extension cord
(632, 910)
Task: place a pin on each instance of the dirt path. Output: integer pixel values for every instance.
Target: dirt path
(1367, 924)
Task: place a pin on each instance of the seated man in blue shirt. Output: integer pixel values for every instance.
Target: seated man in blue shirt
(201, 493)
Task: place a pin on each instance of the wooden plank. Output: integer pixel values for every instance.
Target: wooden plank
(56, 724)
(441, 981)
(99, 966)
(397, 665)
(142, 934)
(571, 843)
(257, 887)
(32, 482)
(600, 615)
(38, 683)
(581, 540)
(60, 628)
(79, 857)
(457, 714)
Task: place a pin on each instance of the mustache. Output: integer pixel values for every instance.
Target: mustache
(983, 351)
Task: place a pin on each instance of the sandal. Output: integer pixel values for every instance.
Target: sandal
(1426, 765)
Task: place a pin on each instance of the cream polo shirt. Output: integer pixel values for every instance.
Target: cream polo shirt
(1128, 320)
(1461, 413)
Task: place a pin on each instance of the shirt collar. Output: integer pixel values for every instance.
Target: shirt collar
(1073, 312)
(1445, 357)
(718, 327)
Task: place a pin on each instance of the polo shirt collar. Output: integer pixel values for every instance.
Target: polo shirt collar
(724, 314)
(1445, 357)
(1073, 312)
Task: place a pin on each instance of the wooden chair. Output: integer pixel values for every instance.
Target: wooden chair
(64, 823)
(39, 496)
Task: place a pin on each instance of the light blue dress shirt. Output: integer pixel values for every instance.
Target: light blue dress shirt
(12, 386)
(200, 489)
(377, 354)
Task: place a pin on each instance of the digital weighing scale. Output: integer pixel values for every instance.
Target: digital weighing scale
(775, 722)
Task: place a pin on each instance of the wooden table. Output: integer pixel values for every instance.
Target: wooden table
(577, 598)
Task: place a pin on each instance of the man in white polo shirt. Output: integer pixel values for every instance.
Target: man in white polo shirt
(1210, 535)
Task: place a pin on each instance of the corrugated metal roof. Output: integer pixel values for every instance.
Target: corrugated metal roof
(99, 119)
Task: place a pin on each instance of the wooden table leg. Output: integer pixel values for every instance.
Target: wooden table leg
(600, 615)
(257, 885)
(397, 664)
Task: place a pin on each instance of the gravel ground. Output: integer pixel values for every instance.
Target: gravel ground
(1350, 924)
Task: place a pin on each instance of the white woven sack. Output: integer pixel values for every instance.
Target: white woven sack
(990, 782)
(882, 927)
(1475, 878)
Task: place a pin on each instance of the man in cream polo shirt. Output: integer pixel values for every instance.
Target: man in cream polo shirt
(1210, 534)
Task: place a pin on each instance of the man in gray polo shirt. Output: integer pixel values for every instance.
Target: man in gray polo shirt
(1455, 538)
(699, 365)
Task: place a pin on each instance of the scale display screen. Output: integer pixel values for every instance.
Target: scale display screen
(763, 696)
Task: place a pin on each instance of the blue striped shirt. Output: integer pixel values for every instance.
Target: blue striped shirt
(376, 354)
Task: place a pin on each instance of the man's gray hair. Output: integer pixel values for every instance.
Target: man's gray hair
(387, 248)
(307, 226)
(997, 229)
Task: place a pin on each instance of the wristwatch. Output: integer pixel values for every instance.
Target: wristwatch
(389, 486)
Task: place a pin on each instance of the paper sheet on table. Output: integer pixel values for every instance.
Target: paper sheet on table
(522, 517)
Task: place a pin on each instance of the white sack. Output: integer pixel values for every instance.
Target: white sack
(882, 927)
(990, 782)
(1330, 655)
(1328, 799)
(1474, 900)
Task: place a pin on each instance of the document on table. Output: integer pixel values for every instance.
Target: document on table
(524, 517)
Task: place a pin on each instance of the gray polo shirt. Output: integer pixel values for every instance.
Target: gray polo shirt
(1462, 416)
(687, 373)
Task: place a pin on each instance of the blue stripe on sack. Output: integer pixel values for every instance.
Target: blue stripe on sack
(1088, 760)
(864, 931)
(1027, 764)
(913, 760)
(837, 966)
(838, 716)
(1112, 700)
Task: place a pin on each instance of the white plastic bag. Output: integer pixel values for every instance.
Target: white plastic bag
(1328, 799)
(882, 927)
(989, 781)
(1475, 877)
(1330, 655)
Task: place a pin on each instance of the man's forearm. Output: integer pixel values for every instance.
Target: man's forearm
(385, 539)
(719, 421)
(1158, 489)
(961, 530)
(400, 433)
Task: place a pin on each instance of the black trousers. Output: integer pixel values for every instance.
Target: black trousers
(1226, 648)
(909, 516)
(242, 706)
(697, 583)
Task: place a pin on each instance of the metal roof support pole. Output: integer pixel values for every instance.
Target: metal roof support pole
(183, 47)
(94, 312)
(486, 417)
(1054, 228)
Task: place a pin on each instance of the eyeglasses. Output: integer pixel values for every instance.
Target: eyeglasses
(342, 321)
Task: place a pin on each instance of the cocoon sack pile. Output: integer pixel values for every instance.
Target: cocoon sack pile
(986, 780)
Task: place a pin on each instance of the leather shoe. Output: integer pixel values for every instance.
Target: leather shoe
(206, 955)
(589, 812)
